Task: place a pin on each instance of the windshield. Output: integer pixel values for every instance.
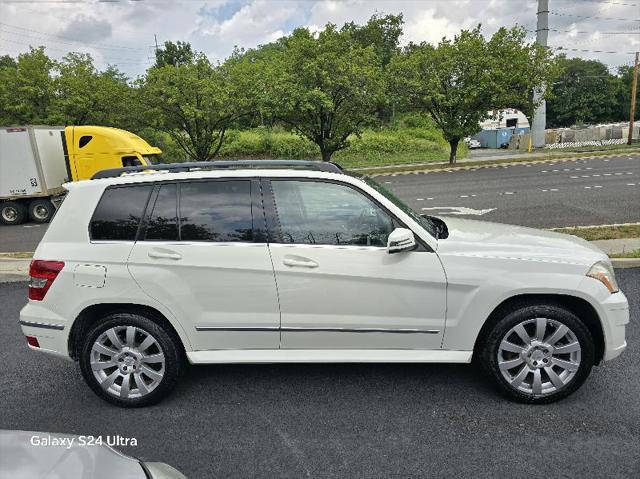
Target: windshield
(426, 223)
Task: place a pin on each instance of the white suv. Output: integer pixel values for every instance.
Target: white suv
(299, 262)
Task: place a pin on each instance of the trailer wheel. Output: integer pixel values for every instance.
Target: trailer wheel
(12, 213)
(41, 211)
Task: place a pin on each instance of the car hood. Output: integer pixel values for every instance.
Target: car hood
(482, 238)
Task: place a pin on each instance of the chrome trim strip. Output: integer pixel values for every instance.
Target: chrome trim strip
(328, 330)
(362, 330)
(237, 328)
(33, 324)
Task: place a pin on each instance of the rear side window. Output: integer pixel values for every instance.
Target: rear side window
(218, 211)
(163, 222)
(119, 212)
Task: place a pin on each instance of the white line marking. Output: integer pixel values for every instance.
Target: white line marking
(595, 175)
(460, 210)
(587, 187)
(574, 177)
(607, 174)
(629, 173)
(631, 184)
(464, 196)
(419, 199)
(553, 189)
(598, 186)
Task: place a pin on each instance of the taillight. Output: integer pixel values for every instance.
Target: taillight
(42, 273)
(33, 341)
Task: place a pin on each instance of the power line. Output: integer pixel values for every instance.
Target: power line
(129, 61)
(65, 40)
(593, 51)
(613, 3)
(594, 17)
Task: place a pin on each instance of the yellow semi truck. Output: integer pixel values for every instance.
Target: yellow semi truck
(35, 161)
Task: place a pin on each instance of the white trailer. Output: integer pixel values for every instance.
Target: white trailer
(33, 169)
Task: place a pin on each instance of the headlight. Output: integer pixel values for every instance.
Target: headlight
(603, 272)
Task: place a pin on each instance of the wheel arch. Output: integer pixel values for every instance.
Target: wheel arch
(89, 316)
(578, 306)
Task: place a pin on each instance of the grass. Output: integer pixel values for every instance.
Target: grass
(628, 254)
(16, 255)
(603, 232)
(406, 142)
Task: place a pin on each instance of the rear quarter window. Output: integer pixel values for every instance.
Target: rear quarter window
(119, 212)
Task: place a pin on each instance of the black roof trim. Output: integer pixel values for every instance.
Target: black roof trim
(326, 166)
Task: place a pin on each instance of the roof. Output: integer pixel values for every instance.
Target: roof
(196, 174)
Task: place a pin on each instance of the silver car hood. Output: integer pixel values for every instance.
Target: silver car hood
(486, 239)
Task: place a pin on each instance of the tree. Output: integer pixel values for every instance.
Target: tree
(174, 54)
(83, 95)
(324, 87)
(585, 92)
(459, 81)
(26, 88)
(194, 103)
(625, 79)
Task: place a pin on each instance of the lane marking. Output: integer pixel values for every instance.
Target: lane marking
(460, 210)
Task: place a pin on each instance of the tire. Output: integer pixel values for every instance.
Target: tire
(512, 365)
(41, 211)
(12, 213)
(148, 382)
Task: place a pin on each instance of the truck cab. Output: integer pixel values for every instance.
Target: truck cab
(35, 161)
(89, 149)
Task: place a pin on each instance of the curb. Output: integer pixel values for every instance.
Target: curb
(625, 262)
(469, 165)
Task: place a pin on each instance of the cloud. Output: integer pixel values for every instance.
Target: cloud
(86, 29)
(122, 33)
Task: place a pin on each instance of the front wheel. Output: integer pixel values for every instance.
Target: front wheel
(130, 361)
(538, 353)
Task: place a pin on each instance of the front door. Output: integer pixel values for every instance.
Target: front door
(338, 286)
(202, 256)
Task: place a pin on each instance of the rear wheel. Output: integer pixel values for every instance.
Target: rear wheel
(12, 213)
(130, 361)
(538, 353)
(41, 211)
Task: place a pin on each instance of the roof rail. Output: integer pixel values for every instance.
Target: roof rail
(326, 166)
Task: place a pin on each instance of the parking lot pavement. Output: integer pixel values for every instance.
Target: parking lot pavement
(341, 420)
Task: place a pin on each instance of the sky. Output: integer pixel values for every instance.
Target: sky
(123, 32)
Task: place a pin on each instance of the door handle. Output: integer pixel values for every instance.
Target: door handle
(167, 255)
(299, 262)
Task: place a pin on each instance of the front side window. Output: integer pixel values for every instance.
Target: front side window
(327, 213)
(218, 211)
(119, 212)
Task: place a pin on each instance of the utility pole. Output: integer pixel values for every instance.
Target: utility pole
(155, 37)
(540, 115)
(632, 108)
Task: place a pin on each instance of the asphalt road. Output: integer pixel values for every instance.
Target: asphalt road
(542, 195)
(341, 420)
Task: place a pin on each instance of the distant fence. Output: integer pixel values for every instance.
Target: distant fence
(573, 144)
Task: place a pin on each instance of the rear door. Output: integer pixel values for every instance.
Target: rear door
(202, 254)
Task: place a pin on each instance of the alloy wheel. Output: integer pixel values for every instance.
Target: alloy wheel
(127, 362)
(539, 356)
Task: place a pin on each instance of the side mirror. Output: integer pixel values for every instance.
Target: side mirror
(400, 239)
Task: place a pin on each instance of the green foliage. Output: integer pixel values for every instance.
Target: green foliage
(174, 54)
(83, 96)
(458, 81)
(325, 87)
(26, 88)
(585, 92)
(412, 139)
(194, 103)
